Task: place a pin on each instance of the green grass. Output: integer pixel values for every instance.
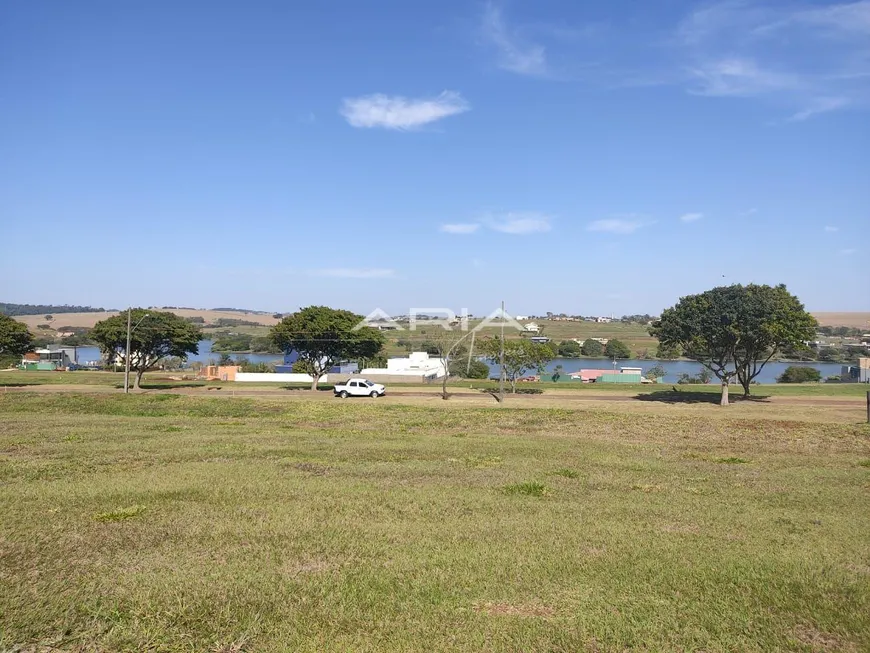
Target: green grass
(529, 489)
(159, 522)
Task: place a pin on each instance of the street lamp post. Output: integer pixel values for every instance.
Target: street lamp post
(127, 351)
(130, 330)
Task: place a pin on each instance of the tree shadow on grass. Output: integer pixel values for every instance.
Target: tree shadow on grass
(676, 396)
(18, 384)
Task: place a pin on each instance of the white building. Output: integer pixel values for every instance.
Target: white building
(417, 366)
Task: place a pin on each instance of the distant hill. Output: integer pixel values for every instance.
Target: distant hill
(45, 309)
(87, 319)
(847, 319)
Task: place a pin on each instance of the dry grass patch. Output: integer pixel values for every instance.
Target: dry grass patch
(512, 610)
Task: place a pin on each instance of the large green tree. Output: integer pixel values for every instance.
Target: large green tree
(617, 349)
(15, 339)
(157, 334)
(324, 336)
(520, 356)
(735, 330)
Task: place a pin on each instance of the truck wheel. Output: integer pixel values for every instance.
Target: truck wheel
(374, 394)
(343, 394)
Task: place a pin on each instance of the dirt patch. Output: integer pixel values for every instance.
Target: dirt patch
(682, 529)
(308, 566)
(512, 610)
(821, 642)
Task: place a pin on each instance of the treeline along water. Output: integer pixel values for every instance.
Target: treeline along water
(673, 369)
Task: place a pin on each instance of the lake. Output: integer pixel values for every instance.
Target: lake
(87, 354)
(673, 369)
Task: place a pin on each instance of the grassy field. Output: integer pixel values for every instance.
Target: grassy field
(169, 523)
(636, 336)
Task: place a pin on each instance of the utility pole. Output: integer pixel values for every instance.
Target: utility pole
(127, 354)
(130, 329)
(470, 354)
(501, 360)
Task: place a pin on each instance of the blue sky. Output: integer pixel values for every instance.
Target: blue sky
(566, 156)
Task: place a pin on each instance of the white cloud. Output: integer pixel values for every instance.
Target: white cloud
(751, 211)
(809, 60)
(623, 225)
(839, 19)
(354, 273)
(514, 54)
(848, 252)
(831, 229)
(520, 223)
(691, 217)
(460, 228)
(740, 77)
(397, 112)
(820, 105)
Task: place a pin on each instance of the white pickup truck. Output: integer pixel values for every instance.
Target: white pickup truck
(359, 388)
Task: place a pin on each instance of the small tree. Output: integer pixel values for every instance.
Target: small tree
(15, 339)
(462, 369)
(156, 335)
(830, 355)
(449, 346)
(655, 373)
(617, 349)
(592, 348)
(520, 355)
(570, 349)
(324, 336)
(799, 374)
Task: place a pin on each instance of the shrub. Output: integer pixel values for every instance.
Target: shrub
(477, 370)
(655, 373)
(569, 349)
(617, 349)
(800, 374)
(592, 348)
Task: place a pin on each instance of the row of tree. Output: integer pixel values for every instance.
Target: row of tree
(593, 349)
(733, 331)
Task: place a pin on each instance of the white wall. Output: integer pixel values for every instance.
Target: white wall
(275, 377)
